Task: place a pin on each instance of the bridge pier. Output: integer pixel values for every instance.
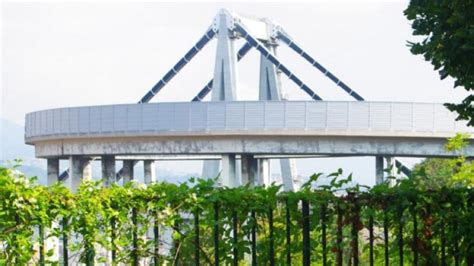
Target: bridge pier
(228, 173)
(108, 170)
(79, 168)
(249, 169)
(127, 170)
(264, 172)
(149, 172)
(379, 171)
(52, 170)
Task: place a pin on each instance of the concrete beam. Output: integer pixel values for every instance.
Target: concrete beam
(127, 170)
(108, 170)
(149, 171)
(258, 145)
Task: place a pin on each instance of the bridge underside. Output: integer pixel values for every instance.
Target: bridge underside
(255, 145)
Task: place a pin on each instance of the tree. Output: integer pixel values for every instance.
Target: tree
(433, 173)
(447, 29)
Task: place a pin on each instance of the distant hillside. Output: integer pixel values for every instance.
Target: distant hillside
(12, 144)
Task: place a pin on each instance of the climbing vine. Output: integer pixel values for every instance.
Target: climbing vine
(346, 223)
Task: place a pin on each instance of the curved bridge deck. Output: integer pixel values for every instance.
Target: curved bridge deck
(256, 127)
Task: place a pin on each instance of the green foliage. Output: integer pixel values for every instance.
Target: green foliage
(101, 218)
(447, 29)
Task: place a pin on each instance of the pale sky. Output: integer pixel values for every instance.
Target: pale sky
(65, 54)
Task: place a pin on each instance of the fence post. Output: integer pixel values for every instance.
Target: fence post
(156, 237)
(355, 230)
(235, 238)
(339, 235)
(65, 242)
(288, 233)
(134, 238)
(41, 245)
(112, 239)
(270, 225)
(306, 237)
(254, 238)
(196, 238)
(385, 233)
(400, 233)
(216, 234)
(371, 239)
(323, 233)
(415, 234)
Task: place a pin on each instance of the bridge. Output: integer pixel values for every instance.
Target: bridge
(237, 139)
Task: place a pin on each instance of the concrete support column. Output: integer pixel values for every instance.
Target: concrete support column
(228, 176)
(52, 242)
(150, 171)
(379, 171)
(79, 168)
(288, 172)
(52, 170)
(108, 170)
(249, 169)
(264, 172)
(127, 170)
(392, 168)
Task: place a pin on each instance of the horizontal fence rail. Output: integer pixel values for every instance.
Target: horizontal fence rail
(246, 117)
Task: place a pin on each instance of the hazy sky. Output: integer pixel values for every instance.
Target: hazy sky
(57, 54)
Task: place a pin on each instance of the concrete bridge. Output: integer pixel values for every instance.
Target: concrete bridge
(238, 132)
(243, 129)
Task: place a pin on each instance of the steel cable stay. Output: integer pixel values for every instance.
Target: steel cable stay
(275, 61)
(288, 41)
(179, 65)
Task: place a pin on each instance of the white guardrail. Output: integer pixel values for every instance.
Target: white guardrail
(242, 115)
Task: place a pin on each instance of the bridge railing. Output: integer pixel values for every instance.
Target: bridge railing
(244, 116)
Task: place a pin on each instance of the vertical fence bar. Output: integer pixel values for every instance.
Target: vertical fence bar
(254, 238)
(216, 234)
(272, 248)
(134, 238)
(339, 235)
(371, 239)
(65, 244)
(427, 228)
(456, 244)
(323, 232)
(355, 231)
(288, 233)
(41, 244)
(443, 243)
(156, 238)
(235, 238)
(112, 239)
(306, 236)
(415, 234)
(196, 239)
(385, 234)
(400, 233)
